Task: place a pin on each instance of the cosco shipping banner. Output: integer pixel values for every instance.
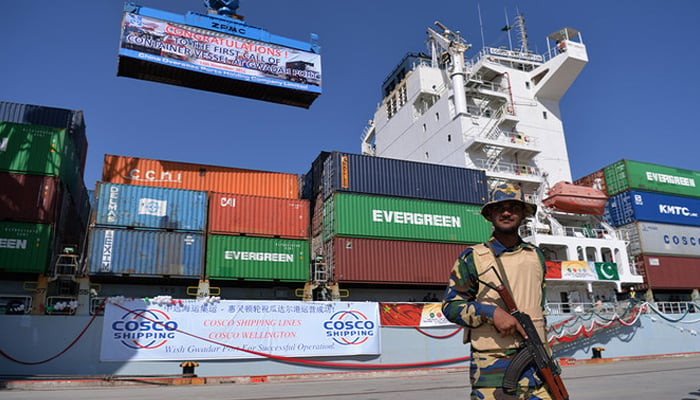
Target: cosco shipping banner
(210, 52)
(189, 329)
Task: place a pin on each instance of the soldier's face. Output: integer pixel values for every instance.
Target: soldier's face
(507, 216)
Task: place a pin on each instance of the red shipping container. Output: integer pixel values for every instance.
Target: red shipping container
(664, 272)
(590, 180)
(29, 198)
(208, 178)
(258, 216)
(359, 260)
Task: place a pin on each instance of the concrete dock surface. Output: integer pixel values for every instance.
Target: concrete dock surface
(667, 378)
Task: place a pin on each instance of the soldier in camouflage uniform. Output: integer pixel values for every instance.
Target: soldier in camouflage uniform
(493, 333)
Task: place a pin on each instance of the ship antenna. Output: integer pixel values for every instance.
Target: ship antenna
(481, 26)
(507, 29)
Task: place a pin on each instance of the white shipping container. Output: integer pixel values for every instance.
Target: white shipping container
(663, 239)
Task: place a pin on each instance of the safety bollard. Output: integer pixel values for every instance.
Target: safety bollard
(188, 368)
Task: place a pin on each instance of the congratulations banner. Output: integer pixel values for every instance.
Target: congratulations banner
(214, 53)
(412, 314)
(188, 329)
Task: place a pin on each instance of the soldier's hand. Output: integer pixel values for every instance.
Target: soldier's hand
(506, 324)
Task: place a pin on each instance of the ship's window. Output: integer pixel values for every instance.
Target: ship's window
(449, 138)
(579, 253)
(425, 128)
(437, 116)
(591, 254)
(527, 85)
(544, 114)
(607, 255)
(427, 156)
(391, 107)
(403, 95)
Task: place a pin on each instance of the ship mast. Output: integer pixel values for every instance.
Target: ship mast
(454, 46)
(520, 24)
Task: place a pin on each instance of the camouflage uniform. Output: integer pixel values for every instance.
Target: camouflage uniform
(472, 304)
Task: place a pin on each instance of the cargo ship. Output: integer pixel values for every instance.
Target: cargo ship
(158, 268)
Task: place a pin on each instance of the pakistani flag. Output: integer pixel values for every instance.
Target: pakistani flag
(606, 271)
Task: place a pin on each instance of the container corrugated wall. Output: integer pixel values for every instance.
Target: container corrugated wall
(631, 206)
(256, 215)
(255, 258)
(70, 120)
(358, 260)
(627, 174)
(177, 175)
(591, 180)
(145, 253)
(650, 238)
(666, 272)
(39, 150)
(404, 219)
(25, 247)
(312, 184)
(150, 207)
(29, 198)
(345, 172)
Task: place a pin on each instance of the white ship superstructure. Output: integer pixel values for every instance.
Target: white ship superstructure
(499, 112)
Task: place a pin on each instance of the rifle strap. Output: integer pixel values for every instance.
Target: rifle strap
(501, 270)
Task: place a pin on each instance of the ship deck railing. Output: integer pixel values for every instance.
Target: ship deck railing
(15, 304)
(575, 231)
(506, 167)
(619, 307)
(677, 307)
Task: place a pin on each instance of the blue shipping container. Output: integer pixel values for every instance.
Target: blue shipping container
(145, 253)
(356, 173)
(631, 206)
(150, 207)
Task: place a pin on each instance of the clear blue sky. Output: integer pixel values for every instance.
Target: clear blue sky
(637, 98)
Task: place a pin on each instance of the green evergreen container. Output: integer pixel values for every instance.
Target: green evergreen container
(627, 174)
(352, 215)
(24, 247)
(39, 150)
(257, 258)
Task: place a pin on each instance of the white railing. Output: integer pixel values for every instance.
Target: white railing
(677, 307)
(491, 53)
(583, 232)
(15, 304)
(61, 305)
(665, 307)
(95, 303)
(509, 168)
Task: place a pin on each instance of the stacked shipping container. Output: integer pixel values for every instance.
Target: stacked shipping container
(214, 222)
(257, 238)
(43, 203)
(147, 231)
(392, 221)
(657, 207)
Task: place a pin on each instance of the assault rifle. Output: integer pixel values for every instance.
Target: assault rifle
(532, 351)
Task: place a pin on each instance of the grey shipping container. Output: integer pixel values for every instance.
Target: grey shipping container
(344, 172)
